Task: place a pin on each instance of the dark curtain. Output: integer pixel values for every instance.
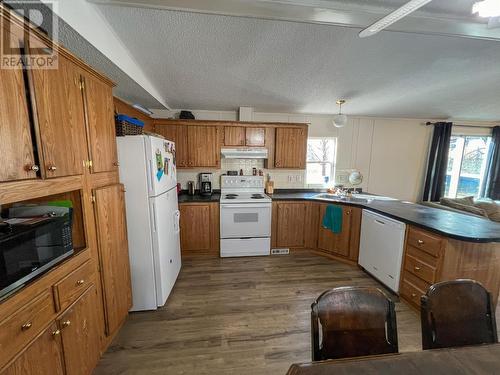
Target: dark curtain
(438, 162)
(492, 186)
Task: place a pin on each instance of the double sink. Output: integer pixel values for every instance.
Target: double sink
(355, 198)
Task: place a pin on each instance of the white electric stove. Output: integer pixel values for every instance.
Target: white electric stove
(245, 217)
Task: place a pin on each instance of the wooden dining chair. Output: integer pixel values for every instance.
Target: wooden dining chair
(457, 313)
(352, 322)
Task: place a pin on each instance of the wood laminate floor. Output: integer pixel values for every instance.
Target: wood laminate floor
(238, 316)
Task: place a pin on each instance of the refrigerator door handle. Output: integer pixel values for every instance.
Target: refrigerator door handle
(177, 216)
(151, 177)
(154, 217)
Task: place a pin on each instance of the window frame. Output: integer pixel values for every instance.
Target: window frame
(333, 163)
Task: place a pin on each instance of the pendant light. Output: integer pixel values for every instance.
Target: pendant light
(340, 120)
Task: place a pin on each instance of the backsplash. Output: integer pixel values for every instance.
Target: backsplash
(283, 178)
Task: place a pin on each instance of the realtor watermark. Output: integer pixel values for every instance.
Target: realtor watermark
(20, 46)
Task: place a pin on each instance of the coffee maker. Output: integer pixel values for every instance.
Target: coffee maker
(205, 183)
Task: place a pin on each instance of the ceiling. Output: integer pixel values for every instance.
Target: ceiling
(217, 62)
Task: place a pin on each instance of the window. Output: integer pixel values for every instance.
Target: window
(321, 154)
(467, 160)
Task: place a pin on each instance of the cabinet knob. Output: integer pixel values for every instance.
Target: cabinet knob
(420, 242)
(116, 164)
(413, 295)
(348, 212)
(26, 326)
(417, 268)
(80, 282)
(34, 168)
(56, 332)
(51, 168)
(66, 323)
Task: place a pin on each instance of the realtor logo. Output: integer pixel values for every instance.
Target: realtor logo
(20, 47)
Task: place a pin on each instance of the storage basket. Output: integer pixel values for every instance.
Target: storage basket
(125, 128)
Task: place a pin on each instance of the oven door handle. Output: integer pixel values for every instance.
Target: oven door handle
(247, 205)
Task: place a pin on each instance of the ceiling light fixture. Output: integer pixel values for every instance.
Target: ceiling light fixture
(487, 8)
(393, 17)
(340, 120)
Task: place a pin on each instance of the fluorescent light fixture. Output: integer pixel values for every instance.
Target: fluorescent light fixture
(393, 17)
(487, 8)
(142, 109)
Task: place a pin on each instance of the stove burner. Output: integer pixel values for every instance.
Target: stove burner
(257, 196)
(230, 197)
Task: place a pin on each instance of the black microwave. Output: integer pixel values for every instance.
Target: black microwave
(30, 247)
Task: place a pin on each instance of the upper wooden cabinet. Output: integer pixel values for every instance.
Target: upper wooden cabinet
(291, 148)
(234, 136)
(99, 116)
(113, 252)
(203, 146)
(178, 135)
(255, 137)
(16, 145)
(59, 109)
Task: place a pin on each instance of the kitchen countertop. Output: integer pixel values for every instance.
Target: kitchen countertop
(455, 225)
(450, 224)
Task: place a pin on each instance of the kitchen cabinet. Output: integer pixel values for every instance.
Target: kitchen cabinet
(113, 253)
(203, 146)
(290, 148)
(43, 356)
(199, 224)
(60, 118)
(234, 136)
(99, 116)
(255, 137)
(178, 135)
(79, 330)
(290, 223)
(335, 243)
(18, 160)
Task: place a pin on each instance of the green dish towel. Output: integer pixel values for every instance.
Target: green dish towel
(332, 219)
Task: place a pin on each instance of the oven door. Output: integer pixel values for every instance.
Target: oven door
(245, 220)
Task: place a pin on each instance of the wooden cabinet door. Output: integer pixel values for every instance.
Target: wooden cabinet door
(61, 123)
(291, 148)
(99, 115)
(335, 243)
(113, 253)
(16, 144)
(44, 356)
(234, 136)
(178, 135)
(79, 327)
(255, 137)
(196, 227)
(290, 231)
(203, 146)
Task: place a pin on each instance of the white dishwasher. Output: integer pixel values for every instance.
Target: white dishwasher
(381, 248)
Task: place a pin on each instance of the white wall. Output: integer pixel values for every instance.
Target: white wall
(391, 154)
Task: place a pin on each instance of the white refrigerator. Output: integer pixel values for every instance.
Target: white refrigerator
(147, 169)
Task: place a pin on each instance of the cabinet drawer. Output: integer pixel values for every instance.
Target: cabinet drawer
(73, 285)
(411, 293)
(425, 241)
(19, 329)
(420, 269)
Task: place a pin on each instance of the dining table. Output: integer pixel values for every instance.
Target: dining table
(475, 360)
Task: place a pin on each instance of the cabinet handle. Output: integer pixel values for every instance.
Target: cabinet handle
(65, 324)
(80, 282)
(56, 332)
(116, 164)
(348, 212)
(413, 295)
(34, 168)
(26, 326)
(420, 242)
(51, 168)
(417, 268)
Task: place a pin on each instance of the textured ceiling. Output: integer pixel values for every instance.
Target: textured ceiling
(216, 62)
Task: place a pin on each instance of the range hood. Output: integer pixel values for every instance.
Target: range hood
(244, 153)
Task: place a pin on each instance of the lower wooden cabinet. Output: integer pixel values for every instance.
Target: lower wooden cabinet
(44, 356)
(79, 328)
(335, 243)
(70, 345)
(289, 221)
(199, 224)
(111, 231)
